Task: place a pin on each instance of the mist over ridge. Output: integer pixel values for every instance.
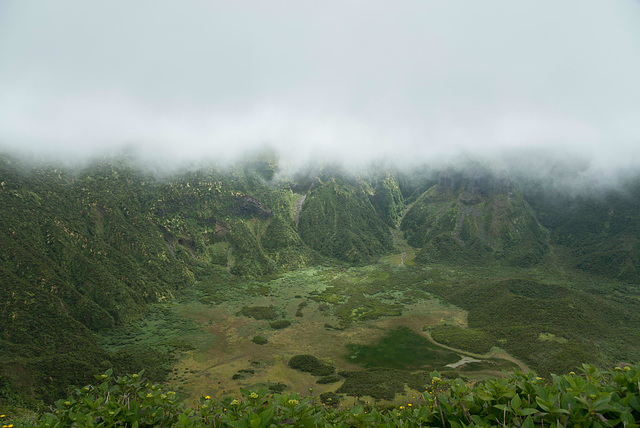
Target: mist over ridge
(410, 83)
(563, 171)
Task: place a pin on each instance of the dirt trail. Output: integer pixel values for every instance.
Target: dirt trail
(491, 354)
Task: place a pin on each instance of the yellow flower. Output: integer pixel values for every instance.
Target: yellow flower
(572, 373)
(401, 407)
(436, 379)
(293, 402)
(235, 402)
(409, 404)
(253, 395)
(207, 397)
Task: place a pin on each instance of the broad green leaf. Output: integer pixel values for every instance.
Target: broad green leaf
(516, 402)
(543, 404)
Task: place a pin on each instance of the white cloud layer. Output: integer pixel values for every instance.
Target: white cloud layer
(352, 80)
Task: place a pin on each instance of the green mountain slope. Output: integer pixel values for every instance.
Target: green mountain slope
(338, 220)
(602, 229)
(77, 256)
(83, 251)
(387, 199)
(222, 218)
(474, 217)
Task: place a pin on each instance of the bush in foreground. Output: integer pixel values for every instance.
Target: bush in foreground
(592, 398)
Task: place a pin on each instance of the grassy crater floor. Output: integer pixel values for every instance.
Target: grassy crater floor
(355, 319)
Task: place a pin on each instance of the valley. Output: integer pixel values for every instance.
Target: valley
(214, 279)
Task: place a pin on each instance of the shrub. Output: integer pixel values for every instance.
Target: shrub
(332, 378)
(277, 387)
(259, 340)
(330, 398)
(259, 312)
(589, 398)
(280, 324)
(310, 364)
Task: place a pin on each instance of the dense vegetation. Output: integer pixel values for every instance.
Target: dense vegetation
(601, 228)
(86, 250)
(477, 219)
(339, 220)
(592, 398)
(548, 275)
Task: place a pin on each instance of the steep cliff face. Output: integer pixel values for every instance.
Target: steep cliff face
(475, 216)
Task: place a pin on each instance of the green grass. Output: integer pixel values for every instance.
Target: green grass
(401, 349)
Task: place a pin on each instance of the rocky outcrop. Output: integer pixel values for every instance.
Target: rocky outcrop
(250, 206)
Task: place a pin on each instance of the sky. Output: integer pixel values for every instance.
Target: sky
(350, 80)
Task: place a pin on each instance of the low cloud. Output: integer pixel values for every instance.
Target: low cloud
(350, 81)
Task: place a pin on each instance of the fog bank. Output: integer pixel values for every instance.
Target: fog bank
(355, 81)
